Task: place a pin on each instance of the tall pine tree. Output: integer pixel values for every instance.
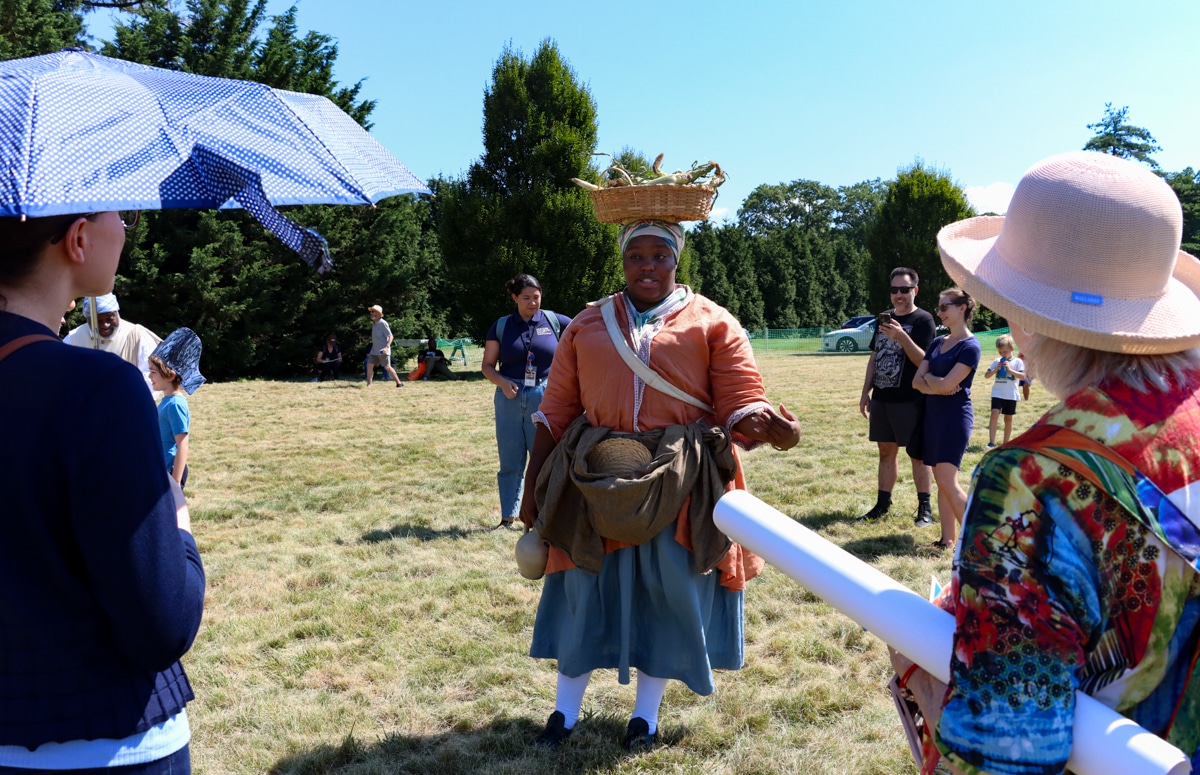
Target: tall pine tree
(517, 210)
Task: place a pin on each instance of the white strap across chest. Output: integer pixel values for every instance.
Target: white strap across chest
(647, 375)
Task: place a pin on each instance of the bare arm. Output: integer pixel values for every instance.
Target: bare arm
(491, 356)
(919, 383)
(181, 454)
(864, 400)
(183, 517)
(943, 386)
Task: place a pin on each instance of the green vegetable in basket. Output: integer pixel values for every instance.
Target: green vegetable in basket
(708, 175)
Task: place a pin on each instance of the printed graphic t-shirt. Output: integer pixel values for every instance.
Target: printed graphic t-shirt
(894, 372)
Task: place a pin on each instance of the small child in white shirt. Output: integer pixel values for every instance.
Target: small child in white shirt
(1009, 372)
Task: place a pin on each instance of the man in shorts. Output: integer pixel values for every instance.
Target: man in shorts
(381, 346)
(888, 399)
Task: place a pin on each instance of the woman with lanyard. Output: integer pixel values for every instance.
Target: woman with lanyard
(668, 604)
(516, 358)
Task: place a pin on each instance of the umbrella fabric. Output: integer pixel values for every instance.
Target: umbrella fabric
(81, 132)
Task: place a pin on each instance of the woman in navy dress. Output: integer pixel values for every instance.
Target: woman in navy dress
(945, 377)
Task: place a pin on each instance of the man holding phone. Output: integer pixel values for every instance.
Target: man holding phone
(888, 399)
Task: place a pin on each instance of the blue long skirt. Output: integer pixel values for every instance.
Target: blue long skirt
(648, 608)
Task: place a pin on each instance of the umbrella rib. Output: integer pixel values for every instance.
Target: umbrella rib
(348, 179)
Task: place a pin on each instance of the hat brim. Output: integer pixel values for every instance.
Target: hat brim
(1165, 324)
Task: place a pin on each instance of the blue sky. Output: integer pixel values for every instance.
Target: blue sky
(836, 91)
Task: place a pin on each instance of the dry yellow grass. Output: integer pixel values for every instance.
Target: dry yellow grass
(362, 616)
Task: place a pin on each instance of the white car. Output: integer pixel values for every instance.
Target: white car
(848, 340)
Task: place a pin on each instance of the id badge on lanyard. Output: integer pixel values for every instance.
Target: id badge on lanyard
(530, 371)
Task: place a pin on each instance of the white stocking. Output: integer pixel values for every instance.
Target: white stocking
(569, 698)
(650, 691)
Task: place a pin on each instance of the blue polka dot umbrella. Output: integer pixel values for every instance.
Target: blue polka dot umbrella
(81, 133)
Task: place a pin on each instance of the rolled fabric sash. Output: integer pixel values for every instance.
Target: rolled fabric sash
(1105, 741)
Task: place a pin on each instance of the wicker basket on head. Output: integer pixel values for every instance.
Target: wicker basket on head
(618, 457)
(626, 204)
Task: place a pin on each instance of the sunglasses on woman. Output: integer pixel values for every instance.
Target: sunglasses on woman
(944, 307)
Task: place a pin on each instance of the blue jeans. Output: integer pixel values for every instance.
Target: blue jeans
(178, 763)
(514, 442)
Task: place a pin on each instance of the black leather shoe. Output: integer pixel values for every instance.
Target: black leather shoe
(875, 513)
(924, 515)
(555, 731)
(637, 735)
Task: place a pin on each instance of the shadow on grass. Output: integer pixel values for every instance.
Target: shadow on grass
(872, 548)
(867, 548)
(504, 746)
(422, 533)
(818, 522)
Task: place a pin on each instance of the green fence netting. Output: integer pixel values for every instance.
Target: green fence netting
(768, 340)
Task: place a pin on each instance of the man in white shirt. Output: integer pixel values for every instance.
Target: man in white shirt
(129, 341)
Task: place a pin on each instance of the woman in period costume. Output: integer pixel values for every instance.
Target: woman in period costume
(654, 586)
(1077, 564)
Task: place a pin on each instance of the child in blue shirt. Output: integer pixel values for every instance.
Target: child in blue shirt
(174, 370)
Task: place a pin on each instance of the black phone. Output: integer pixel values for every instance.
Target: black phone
(883, 318)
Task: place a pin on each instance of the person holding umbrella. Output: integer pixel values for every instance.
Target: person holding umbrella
(101, 583)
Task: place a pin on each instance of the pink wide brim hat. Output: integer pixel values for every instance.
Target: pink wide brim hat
(1088, 254)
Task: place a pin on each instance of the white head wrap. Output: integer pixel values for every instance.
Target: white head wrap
(105, 303)
(671, 233)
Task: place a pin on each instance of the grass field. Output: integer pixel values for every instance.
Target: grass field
(362, 616)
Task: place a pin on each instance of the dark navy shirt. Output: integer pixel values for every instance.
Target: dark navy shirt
(100, 592)
(521, 338)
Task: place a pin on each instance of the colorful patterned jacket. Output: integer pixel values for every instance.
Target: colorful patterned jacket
(1077, 572)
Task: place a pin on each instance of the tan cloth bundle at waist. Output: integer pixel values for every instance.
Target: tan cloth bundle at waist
(579, 506)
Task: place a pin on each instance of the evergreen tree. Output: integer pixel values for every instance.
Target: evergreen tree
(1187, 187)
(33, 27)
(516, 210)
(775, 266)
(259, 310)
(1114, 135)
(708, 275)
(919, 202)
